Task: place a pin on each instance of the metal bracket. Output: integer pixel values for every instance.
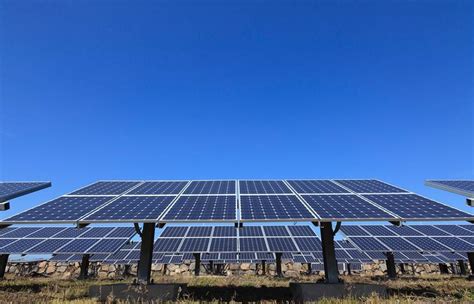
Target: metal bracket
(137, 229)
(336, 229)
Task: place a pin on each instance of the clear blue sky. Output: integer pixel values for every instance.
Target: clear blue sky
(158, 90)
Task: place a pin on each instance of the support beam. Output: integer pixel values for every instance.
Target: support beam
(211, 266)
(197, 263)
(391, 270)
(278, 264)
(146, 253)
(165, 267)
(84, 267)
(349, 270)
(453, 268)
(402, 268)
(310, 270)
(470, 202)
(4, 206)
(470, 257)
(413, 269)
(443, 268)
(462, 267)
(264, 272)
(331, 272)
(3, 265)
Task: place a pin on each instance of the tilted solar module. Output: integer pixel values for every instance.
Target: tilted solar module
(174, 232)
(468, 227)
(308, 244)
(404, 230)
(263, 187)
(199, 231)
(47, 232)
(223, 244)
(430, 230)
(353, 230)
(167, 245)
(251, 231)
(454, 256)
(48, 246)
(11, 190)
(276, 231)
(397, 244)
(107, 246)
(455, 243)
(77, 246)
(224, 231)
(194, 245)
(368, 244)
(455, 230)
(19, 246)
(316, 186)
(273, 207)
(281, 244)
(252, 244)
(301, 231)
(345, 207)
(211, 187)
(106, 188)
(21, 232)
(369, 186)
(159, 187)
(201, 208)
(378, 230)
(428, 244)
(462, 187)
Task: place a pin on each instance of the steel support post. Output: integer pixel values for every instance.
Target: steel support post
(349, 270)
(263, 268)
(278, 264)
(443, 268)
(3, 264)
(146, 253)
(462, 267)
(310, 269)
(331, 272)
(84, 267)
(391, 269)
(470, 257)
(197, 263)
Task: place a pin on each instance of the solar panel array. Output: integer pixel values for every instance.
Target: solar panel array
(238, 201)
(62, 240)
(11, 190)
(415, 238)
(462, 187)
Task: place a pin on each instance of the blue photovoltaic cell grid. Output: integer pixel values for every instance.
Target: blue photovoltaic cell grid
(251, 231)
(122, 232)
(356, 254)
(211, 187)
(455, 230)
(464, 186)
(48, 246)
(97, 232)
(5, 242)
(20, 246)
(273, 207)
(107, 246)
(275, 231)
(166, 245)
(404, 231)
(468, 227)
(414, 256)
(223, 244)
(308, 244)
(99, 257)
(430, 230)
(6, 230)
(60, 209)
(343, 244)
(249, 256)
(150, 188)
(469, 239)
(352, 230)
(369, 186)
(455, 243)
(397, 244)
(72, 232)
(46, 232)
(316, 186)
(252, 244)
(376, 255)
(174, 232)
(189, 208)
(77, 246)
(194, 245)
(368, 244)
(60, 257)
(453, 256)
(223, 231)
(203, 231)
(263, 187)
(377, 230)
(132, 208)
(106, 188)
(427, 244)
(301, 231)
(21, 232)
(344, 207)
(11, 190)
(342, 255)
(267, 256)
(210, 256)
(281, 244)
(232, 256)
(412, 206)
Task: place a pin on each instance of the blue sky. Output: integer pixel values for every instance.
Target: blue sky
(165, 90)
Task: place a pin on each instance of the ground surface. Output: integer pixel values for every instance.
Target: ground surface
(427, 289)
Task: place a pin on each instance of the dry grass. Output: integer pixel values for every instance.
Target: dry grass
(425, 289)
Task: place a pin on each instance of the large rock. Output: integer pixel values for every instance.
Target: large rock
(245, 266)
(51, 269)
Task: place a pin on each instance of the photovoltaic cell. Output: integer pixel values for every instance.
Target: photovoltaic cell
(223, 245)
(344, 207)
(404, 231)
(164, 187)
(427, 244)
(468, 227)
(274, 207)
(106, 188)
(281, 245)
(174, 232)
(11, 190)
(224, 231)
(369, 186)
(263, 187)
(414, 256)
(203, 231)
(166, 245)
(48, 246)
(107, 246)
(368, 244)
(266, 256)
(430, 230)
(62, 209)
(308, 244)
(5, 242)
(77, 246)
(211, 187)
(275, 231)
(301, 231)
(198, 208)
(122, 232)
(463, 187)
(194, 245)
(412, 206)
(253, 244)
(455, 230)
(211, 256)
(96, 232)
(352, 230)
(46, 232)
(377, 230)
(316, 186)
(132, 208)
(397, 244)
(20, 246)
(251, 231)
(21, 232)
(72, 232)
(455, 243)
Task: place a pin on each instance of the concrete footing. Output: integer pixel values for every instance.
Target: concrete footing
(303, 292)
(138, 293)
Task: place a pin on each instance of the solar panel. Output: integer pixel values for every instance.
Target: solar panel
(122, 232)
(341, 254)
(253, 244)
(427, 244)
(131, 208)
(20, 246)
(107, 246)
(353, 231)
(404, 231)
(48, 246)
(415, 207)
(455, 243)
(166, 245)
(198, 208)
(398, 244)
(223, 244)
(225, 231)
(46, 232)
(275, 231)
(316, 186)
(5, 242)
(281, 245)
(376, 255)
(106, 188)
(199, 231)
(344, 207)
(469, 239)
(161, 187)
(250, 231)
(210, 256)
(435, 258)
(247, 256)
(63, 209)
(21, 232)
(265, 256)
(455, 230)
(369, 186)
(343, 244)
(358, 255)
(5, 230)
(368, 244)
(462, 187)
(263, 187)
(96, 232)
(77, 246)
(60, 257)
(430, 230)
(468, 227)
(301, 231)
(194, 245)
(174, 232)
(453, 256)
(11, 190)
(211, 187)
(273, 207)
(308, 244)
(228, 256)
(71, 232)
(414, 256)
(377, 230)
